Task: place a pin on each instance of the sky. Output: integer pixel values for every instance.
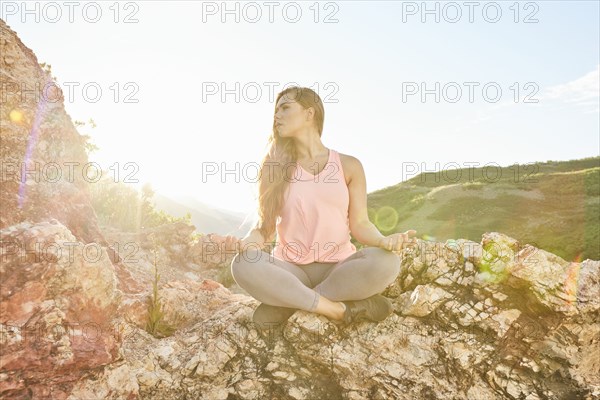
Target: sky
(183, 91)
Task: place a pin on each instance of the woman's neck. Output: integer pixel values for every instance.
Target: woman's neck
(311, 152)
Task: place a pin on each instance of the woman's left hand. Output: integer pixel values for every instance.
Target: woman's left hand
(397, 241)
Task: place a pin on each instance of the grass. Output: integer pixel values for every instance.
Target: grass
(551, 205)
(156, 324)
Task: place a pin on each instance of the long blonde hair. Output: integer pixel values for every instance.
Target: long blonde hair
(272, 183)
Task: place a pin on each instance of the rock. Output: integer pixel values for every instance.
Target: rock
(505, 320)
(450, 341)
(122, 382)
(56, 306)
(55, 146)
(423, 300)
(558, 284)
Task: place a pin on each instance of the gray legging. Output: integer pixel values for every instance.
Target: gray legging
(280, 283)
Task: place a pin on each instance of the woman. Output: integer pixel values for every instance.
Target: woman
(320, 198)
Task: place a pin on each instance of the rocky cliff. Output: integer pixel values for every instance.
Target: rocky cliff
(42, 155)
(490, 320)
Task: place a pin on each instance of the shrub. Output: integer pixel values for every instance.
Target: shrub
(123, 207)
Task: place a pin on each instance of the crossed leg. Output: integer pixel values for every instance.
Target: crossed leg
(273, 281)
(317, 287)
(365, 273)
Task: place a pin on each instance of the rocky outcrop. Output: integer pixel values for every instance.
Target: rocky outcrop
(66, 307)
(495, 319)
(472, 321)
(58, 306)
(42, 155)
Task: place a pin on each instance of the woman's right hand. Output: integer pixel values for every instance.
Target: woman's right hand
(230, 243)
(233, 243)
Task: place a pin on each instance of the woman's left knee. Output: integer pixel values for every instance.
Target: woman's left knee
(387, 262)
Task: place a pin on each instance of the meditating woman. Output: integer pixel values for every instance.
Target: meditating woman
(313, 198)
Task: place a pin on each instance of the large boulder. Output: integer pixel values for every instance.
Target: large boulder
(57, 304)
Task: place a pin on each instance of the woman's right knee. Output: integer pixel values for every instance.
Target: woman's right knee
(239, 270)
(243, 263)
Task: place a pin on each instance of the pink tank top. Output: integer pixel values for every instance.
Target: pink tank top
(313, 225)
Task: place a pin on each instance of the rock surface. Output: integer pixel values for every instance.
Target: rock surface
(466, 336)
(472, 320)
(58, 299)
(42, 155)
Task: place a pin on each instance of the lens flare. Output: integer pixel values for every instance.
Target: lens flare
(571, 284)
(386, 218)
(16, 116)
(33, 136)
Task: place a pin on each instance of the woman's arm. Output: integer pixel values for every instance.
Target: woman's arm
(361, 228)
(254, 238)
(367, 234)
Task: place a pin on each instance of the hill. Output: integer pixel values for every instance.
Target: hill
(205, 217)
(554, 205)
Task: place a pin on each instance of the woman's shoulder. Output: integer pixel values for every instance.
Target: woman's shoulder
(349, 165)
(348, 159)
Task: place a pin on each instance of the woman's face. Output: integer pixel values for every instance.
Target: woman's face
(290, 117)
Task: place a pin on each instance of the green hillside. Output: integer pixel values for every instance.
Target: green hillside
(553, 205)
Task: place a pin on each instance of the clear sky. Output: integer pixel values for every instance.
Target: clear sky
(369, 63)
